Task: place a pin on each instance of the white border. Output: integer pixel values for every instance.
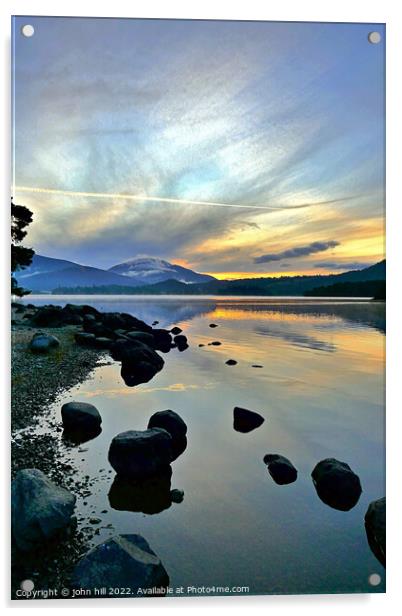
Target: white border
(387, 11)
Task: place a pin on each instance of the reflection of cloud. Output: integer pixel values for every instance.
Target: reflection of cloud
(300, 251)
(300, 340)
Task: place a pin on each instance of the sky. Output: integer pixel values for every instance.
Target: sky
(235, 148)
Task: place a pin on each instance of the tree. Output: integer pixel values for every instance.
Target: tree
(21, 256)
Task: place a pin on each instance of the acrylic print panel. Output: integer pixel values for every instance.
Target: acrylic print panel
(198, 225)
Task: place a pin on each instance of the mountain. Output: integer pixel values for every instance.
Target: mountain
(46, 274)
(284, 286)
(150, 270)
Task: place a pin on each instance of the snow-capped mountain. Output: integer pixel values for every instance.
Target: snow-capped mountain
(149, 270)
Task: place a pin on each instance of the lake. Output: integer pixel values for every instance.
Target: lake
(321, 392)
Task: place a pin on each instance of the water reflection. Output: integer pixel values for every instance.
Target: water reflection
(151, 495)
(321, 392)
(172, 310)
(78, 437)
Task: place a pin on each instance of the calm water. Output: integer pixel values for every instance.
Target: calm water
(321, 391)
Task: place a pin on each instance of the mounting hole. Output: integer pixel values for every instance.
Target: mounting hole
(27, 585)
(374, 38)
(28, 30)
(374, 579)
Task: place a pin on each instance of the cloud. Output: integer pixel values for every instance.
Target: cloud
(299, 251)
(340, 266)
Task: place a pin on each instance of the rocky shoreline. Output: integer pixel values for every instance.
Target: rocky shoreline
(54, 349)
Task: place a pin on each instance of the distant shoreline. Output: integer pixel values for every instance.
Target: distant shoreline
(268, 299)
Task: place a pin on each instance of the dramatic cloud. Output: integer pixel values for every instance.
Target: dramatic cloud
(299, 251)
(208, 119)
(331, 265)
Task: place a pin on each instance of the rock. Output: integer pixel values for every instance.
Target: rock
(174, 424)
(375, 523)
(163, 340)
(231, 362)
(245, 420)
(80, 416)
(43, 343)
(336, 484)
(124, 561)
(213, 325)
(181, 342)
(177, 496)
(85, 339)
(48, 316)
(103, 343)
(201, 345)
(137, 455)
(144, 337)
(257, 366)
(280, 468)
(176, 331)
(150, 495)
(140, 363)
(40, 509)
(215, 343)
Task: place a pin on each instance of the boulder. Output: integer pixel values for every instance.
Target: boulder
(43, 343)
(181, 342)
(40, 509)
(124, 561)
(140, 363)
(231, 362)
(48, 316)
(80, 416)
(215, 343)
(174, 424)
(85, 339)
(175, 331)
(375, 523)
(336, 484)
(139, 454)
(163, 340)
(150, 495)
(280, 468)
(103, 343)
(213, 325)
(144, 337)
(245, 420)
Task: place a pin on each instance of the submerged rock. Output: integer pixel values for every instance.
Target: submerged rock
(245, 420)
(336, 484)
(39, 509)
(174, 424)
(138, 454)
(375, 523)
(43, 343)
(80, 416)
(150, 495)
(280, 468)
(124, 561)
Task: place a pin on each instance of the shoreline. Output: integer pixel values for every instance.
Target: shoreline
(37, 383)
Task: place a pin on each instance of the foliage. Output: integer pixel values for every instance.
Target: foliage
(21, 256)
